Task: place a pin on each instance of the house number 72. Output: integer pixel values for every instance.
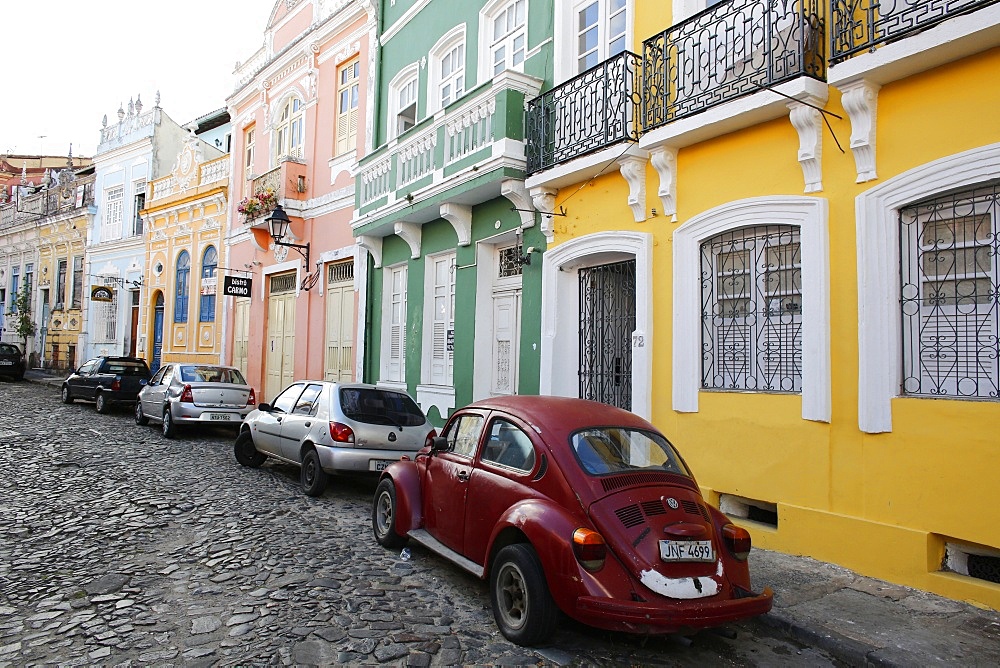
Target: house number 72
(638, 341)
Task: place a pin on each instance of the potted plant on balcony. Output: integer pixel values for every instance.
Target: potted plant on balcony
(261, 202)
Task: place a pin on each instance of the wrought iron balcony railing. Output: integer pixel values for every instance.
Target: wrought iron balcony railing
(728, 51)
(862, 25)
(591, 111)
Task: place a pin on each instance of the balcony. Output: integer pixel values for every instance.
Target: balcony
(287, 181)
(727, 52)
(49, 201)
(208, 173)
(591, 111)
(469, 147)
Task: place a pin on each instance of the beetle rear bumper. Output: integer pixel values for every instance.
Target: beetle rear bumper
(672, 617)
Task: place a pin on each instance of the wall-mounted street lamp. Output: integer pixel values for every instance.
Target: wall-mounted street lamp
(277, 225)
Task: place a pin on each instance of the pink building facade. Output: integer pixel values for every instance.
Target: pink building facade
(298, 115)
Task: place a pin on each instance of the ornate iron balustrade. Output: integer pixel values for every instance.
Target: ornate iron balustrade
(862, 25)
(270, 179)
(728, 51)
(591, 111)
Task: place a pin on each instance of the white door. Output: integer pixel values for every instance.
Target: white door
(506, 333)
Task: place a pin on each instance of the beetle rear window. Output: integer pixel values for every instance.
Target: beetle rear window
(374, 406)
(606, 450)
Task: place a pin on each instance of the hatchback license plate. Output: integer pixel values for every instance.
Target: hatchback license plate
(686, 550)
(220, 416)
(6, 363)
(378, 464)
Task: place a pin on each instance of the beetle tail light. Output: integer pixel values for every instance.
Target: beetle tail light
(737, 540)
(589, 548)
(341, 433)
(187, 396)
(429, 441)
(251, 398)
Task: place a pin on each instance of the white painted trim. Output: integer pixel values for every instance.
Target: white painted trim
(564, 36)
(442, 396)
(811, 216)
(559, 357)
(878, 271)
(401, 22)
(448, 41)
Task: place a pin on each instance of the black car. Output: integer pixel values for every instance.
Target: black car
(107, 380)
(11, 361)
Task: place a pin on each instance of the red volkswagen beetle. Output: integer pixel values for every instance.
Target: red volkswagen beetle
(572, 505)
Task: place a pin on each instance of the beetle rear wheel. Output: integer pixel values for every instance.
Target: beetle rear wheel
(522, 605)
(384, 516)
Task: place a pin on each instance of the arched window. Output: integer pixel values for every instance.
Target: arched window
(209, 263)
(289, 130)
(183, 279)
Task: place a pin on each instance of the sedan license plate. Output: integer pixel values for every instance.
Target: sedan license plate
(378, 464)
(220, 416)
(6, 363)
(686, 550)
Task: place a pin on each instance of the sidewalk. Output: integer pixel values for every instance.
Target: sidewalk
(867, 622)
(46, 376)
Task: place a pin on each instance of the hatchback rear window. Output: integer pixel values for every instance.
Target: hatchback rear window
(8, 349)
(604, 450)
(375, 406)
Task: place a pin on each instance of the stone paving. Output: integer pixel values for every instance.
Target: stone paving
(120, 548)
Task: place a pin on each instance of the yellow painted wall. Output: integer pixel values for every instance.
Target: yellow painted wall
(881, 504)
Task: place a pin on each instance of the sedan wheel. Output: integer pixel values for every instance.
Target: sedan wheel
(169, 428)
(140, 417)
(522, 606)
(384, 516)
(312, 476)
(67, 398)
(103, 405)
(246, 453)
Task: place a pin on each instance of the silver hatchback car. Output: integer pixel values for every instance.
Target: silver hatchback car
(189, 394)
(325, 427)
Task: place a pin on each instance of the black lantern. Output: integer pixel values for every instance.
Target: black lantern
(277, 225)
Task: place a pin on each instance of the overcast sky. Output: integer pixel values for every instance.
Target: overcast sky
(70, 62)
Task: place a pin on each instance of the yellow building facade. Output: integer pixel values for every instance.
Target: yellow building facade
(181, 319)
(814, 313)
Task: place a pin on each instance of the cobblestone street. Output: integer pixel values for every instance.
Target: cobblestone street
(119, 547)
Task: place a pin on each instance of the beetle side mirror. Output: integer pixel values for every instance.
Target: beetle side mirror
(439, 444)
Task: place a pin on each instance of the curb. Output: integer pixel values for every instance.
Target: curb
(841, 647)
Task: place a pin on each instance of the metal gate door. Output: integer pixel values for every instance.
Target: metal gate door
(607, 320)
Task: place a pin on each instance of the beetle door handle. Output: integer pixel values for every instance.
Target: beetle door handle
(463, 476)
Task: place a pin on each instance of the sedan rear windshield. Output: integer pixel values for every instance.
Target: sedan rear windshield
(128, 368)
(605, 450)
(211, 374)
(375, 406)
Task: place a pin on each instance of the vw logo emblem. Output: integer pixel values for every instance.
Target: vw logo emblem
(672, 502)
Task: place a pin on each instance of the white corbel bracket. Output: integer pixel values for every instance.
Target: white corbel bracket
(544, 200)
(374, 246)
(664, 161)
(860, 101)
(633, 169)
(808, 122)
(460, 217)
(410, 233)
(515, 191)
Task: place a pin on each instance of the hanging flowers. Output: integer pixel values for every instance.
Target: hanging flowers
(261, 202)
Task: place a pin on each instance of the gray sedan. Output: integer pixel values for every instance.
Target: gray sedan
(325, 427)
(195, 394)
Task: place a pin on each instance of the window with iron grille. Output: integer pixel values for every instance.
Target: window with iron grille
(182, 287)
(107, 314)
(751, 285)
(509, 264)
(948, 295)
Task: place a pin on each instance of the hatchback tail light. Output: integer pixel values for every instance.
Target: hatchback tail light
(252, 398)
(429, 441)
(341, 433)
(187, 396)
(589, 548)
(737, 540)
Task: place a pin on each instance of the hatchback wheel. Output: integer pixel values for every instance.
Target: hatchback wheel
(169, 428)
(312, 476)
(384, 516)
(246, 454)
(140, 417)
(103, 406)
(522, 606)
(67, 398)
